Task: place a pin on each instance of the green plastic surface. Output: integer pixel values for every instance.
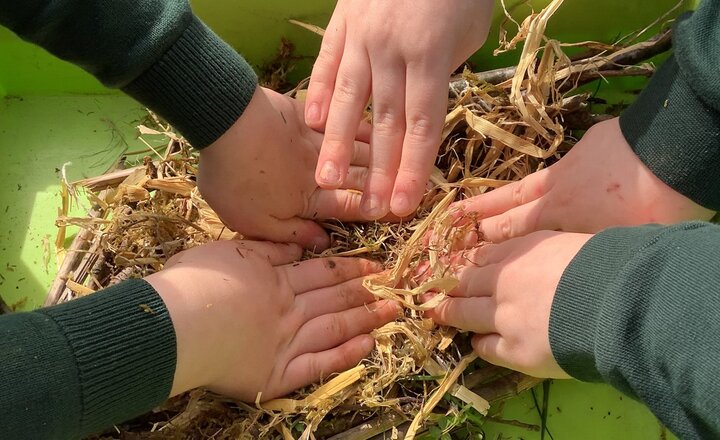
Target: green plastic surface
(52, 113)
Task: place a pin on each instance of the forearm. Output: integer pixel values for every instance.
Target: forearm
(674, 126)
(73, 369)
(157, 51)
(638, 308)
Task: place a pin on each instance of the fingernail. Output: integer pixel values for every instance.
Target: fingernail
(319, 244)
(372, 207)
(330, 174)
(368, 343)
(313, 113)
(401, 204)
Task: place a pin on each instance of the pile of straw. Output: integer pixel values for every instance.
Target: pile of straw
(501, 126)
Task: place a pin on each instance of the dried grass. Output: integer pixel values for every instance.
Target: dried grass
(493, 134)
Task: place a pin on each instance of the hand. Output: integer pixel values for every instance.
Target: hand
(598, 184)
(402, 52)
(248, 320)
(258, 176)
(505, 294)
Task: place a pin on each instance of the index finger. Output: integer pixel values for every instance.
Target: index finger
(505, 198)
(349, 99)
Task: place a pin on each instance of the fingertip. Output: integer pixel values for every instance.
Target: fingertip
(371, 267)
(404, 203)
(374, 207)
(314, 114)
(319, 243)
(329, 175)
(366, 344)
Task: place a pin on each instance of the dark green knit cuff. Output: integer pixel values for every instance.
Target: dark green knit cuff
(676, 135)
(125, 351)
(577, 311)
(200, 85)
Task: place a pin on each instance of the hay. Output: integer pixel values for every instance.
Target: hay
(494, 133)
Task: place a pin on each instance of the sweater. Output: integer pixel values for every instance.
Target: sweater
(638, 307)
(635, 308)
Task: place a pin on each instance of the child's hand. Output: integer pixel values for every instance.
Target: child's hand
(505, 294)
(600, 183)
(401, 53)
(259, 175)
(249, 320)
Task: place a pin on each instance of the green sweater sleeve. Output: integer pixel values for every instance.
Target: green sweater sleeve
(156, 51)
(639, 308)
(674, 126)
(70, 370)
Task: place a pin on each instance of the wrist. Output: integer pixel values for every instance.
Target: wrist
(192, 368)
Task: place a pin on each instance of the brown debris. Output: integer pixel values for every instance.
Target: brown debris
(496, 132)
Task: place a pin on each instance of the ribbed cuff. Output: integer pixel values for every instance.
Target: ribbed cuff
(125, 351)
(676, 135)
(577, 312)
(200, 85)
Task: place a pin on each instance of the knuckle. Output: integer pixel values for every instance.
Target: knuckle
(518, 193)
(346, 357)
(314, 368)
(338, 327)
(347, 90)
(351, 202)
(419, 125)
(505, 228)
(478, 256)
(345, 295)
(385, 120)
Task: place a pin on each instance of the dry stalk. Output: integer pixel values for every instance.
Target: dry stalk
(494, 134)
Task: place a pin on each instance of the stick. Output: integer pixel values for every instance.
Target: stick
(507, 387)
(372, 428)
(630, 55)
(77, 252)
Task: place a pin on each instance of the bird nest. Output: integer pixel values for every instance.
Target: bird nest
(501, 126)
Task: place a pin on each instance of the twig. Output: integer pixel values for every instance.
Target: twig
(77, 254)
(516, 423)
(506, 387)
(371, 428)
(628, 56)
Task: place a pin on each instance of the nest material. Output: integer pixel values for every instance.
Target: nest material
(495, 133)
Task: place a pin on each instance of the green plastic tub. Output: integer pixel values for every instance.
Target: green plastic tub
(52, 113)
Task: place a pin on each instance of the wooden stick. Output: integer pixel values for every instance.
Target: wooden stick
(77, 253)
(634, 54)
(507, 386)
(372, 428)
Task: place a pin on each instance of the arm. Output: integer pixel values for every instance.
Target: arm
(634, 307)
(70, 370)
(657, 164)
(674, 125)
(638, 308)
(73, 369)
(157, 51)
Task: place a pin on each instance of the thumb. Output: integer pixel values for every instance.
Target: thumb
(306, 233)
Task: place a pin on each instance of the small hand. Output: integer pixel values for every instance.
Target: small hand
(402, 53)
(505, 294)
(598, 184)
(258, 176)
(248, 320)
